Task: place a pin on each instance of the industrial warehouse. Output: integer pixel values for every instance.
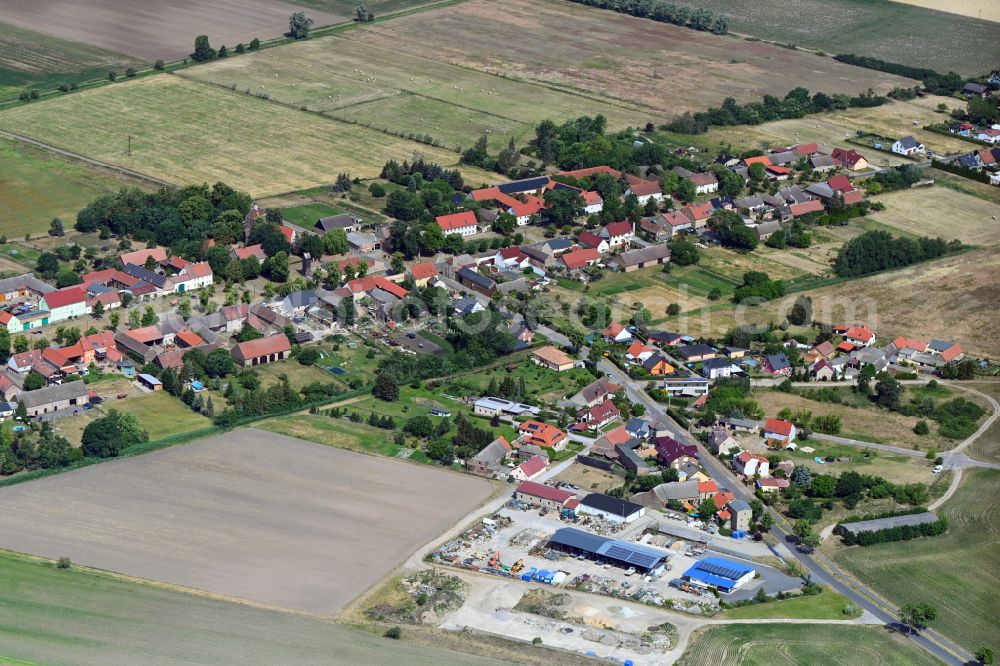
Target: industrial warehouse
(623, 553)
(724, 575)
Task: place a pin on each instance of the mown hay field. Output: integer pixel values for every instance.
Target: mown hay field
(188, 132)
(939, 211)
(781, 644)
(955, 572)
(346, 76)
(36, 186)
(657, 67)
(893, 31)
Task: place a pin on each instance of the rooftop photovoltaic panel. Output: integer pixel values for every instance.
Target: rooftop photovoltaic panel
(719, 570)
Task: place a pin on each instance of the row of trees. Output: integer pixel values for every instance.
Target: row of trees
(796, 104)
(935, 82)
(875, 251)
(203, 51)
(665, 12)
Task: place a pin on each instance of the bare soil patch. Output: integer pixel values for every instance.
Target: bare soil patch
(149, 29)
(664, 68)
(248, 514)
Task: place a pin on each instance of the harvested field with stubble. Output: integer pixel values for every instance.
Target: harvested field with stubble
(189, 133)
(347, 77)
(657, 67)
(150, 30)
(921, 211)
(248, 514)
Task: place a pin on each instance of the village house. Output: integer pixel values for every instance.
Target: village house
(678, 221)
(261, 351)
(643, 189)
(463, 224)
(633, 260)
(779, 431)
(590, 240)
(65, 303)
(553, 358)
(822, 371)
(638, 352)
(363, 242)
(191, 277)
(490, 460)
(595, 393)
(618, 234)
(721, 442)
(530, 469)
(476, 281)
(657, 365)
(55, 398)
(750, 465)
(850, 159)
(577, 260)
(699, 214)
(596, 417)
(907, 145)
(347, 223)
(616, 333)
(673, 453)
(542, 496)
(139, 257)
(542, 434)
(695, 353)
(777, 365)
(771, 485)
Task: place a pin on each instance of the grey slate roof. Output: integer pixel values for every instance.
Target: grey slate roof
(642, 255)
(28, 281)
(50, 394)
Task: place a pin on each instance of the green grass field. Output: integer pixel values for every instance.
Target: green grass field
(307, 214)
(52, 616)
(947, 41)
(32, 60)
(825, 606)
(341, 433)
(188, 132)
(36, 186)
(162, 415)
(779, 644)
(347, 78)
(954, 572)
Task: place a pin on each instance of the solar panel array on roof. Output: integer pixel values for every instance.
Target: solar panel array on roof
(524, 185)
(720, 570)
(145, 275)
(624, 553)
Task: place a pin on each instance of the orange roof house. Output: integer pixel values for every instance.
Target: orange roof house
(542, 434)
(456, 222)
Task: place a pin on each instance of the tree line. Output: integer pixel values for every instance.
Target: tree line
(935, 82)
(665, 12)
(875, 251)
(796, 104)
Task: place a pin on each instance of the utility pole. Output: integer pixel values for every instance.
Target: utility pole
(130, 145)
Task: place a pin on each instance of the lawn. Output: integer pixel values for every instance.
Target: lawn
(36, 186)
(306, 215)
(954, 572)
(351, 78)
(827, 605)
(298, 375)
(780, 644)
(341, 433)
(947, 41)
(53, 616)
(187, 132)
(163, 415)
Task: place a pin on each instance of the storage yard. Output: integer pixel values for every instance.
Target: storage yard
(637, 561)
(248, 514)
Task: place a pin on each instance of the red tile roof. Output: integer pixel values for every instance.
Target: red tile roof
(617, 436)
(778, 426)
(423, 271)
(198, 270)
(591, 171)
(806, 148)
(250, 251)
(589, 239)
(580, 258)
(270, 344)
(853, 197)
(705, 487)
(540, 433)
(910, 343)
(702, 179)
(189, 338)
(641, 187)
(840, 183)
(68, 296)
(811, 206)
(542, 491)
(847, 157)
(177, 262)
(288, 232)
(138, 257)
(613, 329)
(951, 353)
(698, 211)
(862, 333)
(98, 277)
(456, 221)
(761, 159)
(780, 170)
(620, 228)
(146, 334)
(533, 466)
(5, 317)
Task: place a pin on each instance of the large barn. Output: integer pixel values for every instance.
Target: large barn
(622, 553)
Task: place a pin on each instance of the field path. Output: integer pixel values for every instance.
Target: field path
(88, 160)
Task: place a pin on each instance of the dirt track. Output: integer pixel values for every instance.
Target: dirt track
(247, 514)
(151, 29)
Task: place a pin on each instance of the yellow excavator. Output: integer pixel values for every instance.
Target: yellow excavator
(517, 566)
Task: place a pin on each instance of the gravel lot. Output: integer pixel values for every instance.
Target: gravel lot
(247, 514)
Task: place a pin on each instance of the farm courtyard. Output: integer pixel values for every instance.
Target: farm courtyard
(247, 514)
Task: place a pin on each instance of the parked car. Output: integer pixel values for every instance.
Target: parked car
(938, 469)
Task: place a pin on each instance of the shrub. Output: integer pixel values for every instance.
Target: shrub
(63, 563)
(394, 633)
(158, 65)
